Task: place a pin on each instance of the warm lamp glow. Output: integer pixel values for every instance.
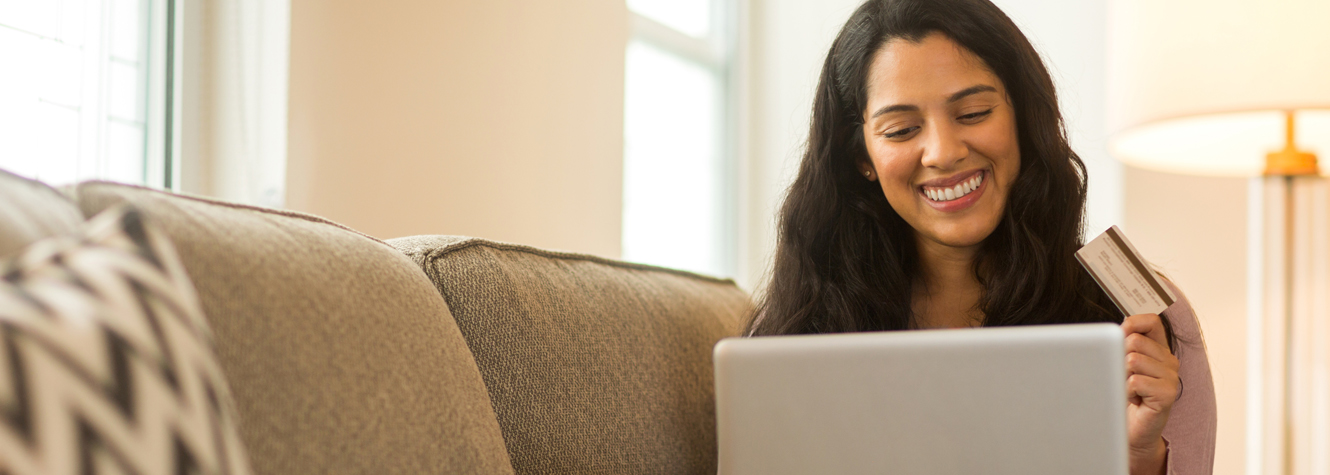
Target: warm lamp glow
(1201, 86)
(1220, 144)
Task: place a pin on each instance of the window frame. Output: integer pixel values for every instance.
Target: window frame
(718, 52)
(161, 147)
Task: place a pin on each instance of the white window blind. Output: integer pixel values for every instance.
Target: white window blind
(678, 180)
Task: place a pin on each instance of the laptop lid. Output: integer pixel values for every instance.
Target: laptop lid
(1030, 400)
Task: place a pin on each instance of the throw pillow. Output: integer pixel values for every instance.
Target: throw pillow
(106, 362)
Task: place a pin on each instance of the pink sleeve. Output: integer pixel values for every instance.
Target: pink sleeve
(1190, 431)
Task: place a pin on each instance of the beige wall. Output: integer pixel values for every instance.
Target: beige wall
(1195, 229)
(494, 118)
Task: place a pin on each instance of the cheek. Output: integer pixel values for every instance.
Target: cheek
(895, 171)
(895, 178)
(893, 162)
(998, 142)
(1008, 141)
(999, 145)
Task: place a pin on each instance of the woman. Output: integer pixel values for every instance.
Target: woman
(938, 190)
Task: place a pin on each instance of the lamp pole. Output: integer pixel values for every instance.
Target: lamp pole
(1286, 166)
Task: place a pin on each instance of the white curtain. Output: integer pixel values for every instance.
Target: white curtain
(234, 99)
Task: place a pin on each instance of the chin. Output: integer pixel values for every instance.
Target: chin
(964, 236)
(961, 241)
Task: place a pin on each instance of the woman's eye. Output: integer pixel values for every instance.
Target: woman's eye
(976, 116)
(900, 133)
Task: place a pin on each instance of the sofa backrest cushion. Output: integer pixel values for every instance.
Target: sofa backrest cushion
(341, 355)
(593, 365)
(31, 211)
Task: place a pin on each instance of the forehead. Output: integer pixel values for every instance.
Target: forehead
(916, 72)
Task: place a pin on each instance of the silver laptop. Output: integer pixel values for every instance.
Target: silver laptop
(1031, 400)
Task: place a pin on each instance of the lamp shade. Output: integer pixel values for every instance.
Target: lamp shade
(1201, 86)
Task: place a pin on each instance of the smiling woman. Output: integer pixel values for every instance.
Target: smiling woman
(942, 123)
(934, 132)
(938, 190)
(916, 98)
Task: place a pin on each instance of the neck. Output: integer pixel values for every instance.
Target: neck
(947, 292)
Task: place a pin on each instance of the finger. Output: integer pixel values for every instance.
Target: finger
(1154, 393)
(1147, 324)
(1140, 363)
(1138, 343)
(1132, 398)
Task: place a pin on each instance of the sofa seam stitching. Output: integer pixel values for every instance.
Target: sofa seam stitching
(435, 254)
(279, 212)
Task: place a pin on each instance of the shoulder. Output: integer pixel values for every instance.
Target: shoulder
(1191, 349)
(1182, 317)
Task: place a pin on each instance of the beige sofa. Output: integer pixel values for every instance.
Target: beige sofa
(347, 354)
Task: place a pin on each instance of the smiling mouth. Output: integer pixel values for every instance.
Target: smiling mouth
(958, 191)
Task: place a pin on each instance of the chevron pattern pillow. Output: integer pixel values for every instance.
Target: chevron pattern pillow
(106, 363)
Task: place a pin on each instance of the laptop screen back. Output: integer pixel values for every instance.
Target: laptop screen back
(1019, 400)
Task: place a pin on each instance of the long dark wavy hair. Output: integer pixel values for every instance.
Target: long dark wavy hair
(846, 261)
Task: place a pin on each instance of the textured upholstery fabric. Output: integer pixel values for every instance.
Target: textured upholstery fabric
(341, 356)
(30, 211)
(593, 366)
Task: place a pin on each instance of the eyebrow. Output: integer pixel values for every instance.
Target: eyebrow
(963, 93)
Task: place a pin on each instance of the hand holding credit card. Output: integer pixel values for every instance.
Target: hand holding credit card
(1136, 290)
(1119, 269)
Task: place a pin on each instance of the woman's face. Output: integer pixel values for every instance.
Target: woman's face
(941, 138)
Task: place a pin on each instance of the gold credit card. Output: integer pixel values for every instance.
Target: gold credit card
(1119, 269)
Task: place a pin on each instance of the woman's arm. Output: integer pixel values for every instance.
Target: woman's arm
(1190, 431)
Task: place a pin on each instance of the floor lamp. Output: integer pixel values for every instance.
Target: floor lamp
(1232, 88)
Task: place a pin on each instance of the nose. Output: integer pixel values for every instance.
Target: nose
(943, 146)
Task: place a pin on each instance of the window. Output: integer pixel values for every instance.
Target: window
(83, 94)
(678, 163)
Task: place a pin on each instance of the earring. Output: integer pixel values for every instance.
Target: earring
(868, 173)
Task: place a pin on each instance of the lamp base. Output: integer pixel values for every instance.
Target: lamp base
(1291, 161)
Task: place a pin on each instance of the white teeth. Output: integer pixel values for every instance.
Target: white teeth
(961, 189)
